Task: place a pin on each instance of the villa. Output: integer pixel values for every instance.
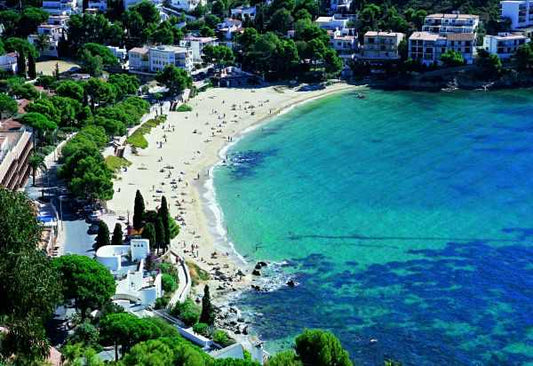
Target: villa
(345, 43)
(229, 27)
(334, 22)
(504, 45)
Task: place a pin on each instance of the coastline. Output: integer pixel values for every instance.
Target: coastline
(185, 150)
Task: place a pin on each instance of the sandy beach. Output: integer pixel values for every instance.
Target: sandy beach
(178, 160)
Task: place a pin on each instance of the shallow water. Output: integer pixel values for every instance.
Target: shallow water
(407, 218)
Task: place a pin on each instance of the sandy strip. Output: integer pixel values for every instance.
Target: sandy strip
(189, 144)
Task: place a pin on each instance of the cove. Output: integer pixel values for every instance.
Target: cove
(406, 218)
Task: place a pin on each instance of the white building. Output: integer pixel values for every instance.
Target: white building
(427, 48)
(341, 6)
(229, 27)
(197, 44)
(8, 62)
(128, 3)
(119, 53)
(243, 12)
(186, 5)
(381, 46)
(61, 20)
(60, 7)
(519, 11)
(162, 56)
(345, 43)
(335, 22)
(52, 34)
(139, 59)
(504, 45)
(100, 5)
(451, 23)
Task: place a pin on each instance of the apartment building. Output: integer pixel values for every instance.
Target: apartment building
(520, 12)
(381, 46)
(504, 45)
(427, 48)
(139, 60)
(344, 42)
(15, 148)
(60, 7)
(451, 23)
(197, 44)
(162, 56)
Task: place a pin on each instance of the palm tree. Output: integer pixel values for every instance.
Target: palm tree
(42, 42)
(36, 162)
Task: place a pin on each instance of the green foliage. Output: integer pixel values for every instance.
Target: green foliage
(96, 49)
(174, 78)
(184, 108)
(202, 329)
(85, 280)
(102, 238)
(149, 233)
(85, 334)
(490, 64)
(187, 311)
(452, 58)
(220, 55)
(92, 28)
(524, 57)
(78, 354)
(165, 220)
(321, 348)
(8, 106)
(137, 138)
(26, 91)
(124, 84)
(39, 122)
(138, 211)
(208, 312)
(99, 92)
(222, 338)
(197, 274)
(168, 283)
(70, 89)
(149, 353)
(115, 163)
(285, 358)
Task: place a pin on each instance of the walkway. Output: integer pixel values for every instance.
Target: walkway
(184, 280)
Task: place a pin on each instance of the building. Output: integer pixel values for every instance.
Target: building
(243, 12)
(451, 23)
(229, 27)
(340, 6)
(161, 56)
(197, 44)
(345, 43)
(427, 48)
(8, 62)
(15, 148)
(119, 53)
(334, 22)
(504, 45)
(52, 35)
(128, 3)
(139, 59)
(100, 5)
(381, 46)
(520, 12)
(61, 20)
(60, 7)
(187, 5)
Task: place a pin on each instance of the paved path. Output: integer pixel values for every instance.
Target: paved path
(184, 280)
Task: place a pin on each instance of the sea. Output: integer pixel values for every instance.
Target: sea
(404, 218)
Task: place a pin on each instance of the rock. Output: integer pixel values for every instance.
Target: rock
(240, 319)
(291, 283)
(256, 272)
(245, 330)
(240, 273)
(260, 265)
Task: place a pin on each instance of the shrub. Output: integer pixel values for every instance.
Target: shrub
(202, 328)
(222, 338)
(184, 108)
(161, 302)
(187, 311)
(168, 282)
(197, 274)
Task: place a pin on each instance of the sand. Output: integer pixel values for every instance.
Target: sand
(189, 143)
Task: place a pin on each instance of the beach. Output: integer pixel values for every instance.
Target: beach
(177, 165)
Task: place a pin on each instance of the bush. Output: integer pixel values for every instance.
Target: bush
(168, 282)
(197, 274)
(161, 302)
(222, 338)
(202, 329)
(184, 108)
(187, 311)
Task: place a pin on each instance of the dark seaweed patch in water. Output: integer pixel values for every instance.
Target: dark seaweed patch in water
(460, 305)
(243, 163)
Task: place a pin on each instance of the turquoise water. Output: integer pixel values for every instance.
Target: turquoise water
(407, 219)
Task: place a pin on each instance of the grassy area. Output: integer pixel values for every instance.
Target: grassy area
(137, 138)
(184, 108)
(197, 274)
(114, 163)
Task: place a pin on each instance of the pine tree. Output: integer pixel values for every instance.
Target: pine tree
(117, 238)
(138, 211)
(163, 212)
(208, 313)
(149, 233)
(102, 238)
(32, 71)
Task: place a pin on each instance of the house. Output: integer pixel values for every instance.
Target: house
(186, 5)
(52, 35)
(334, 22)
(119, 53)
(451, 23)
(139, 59)
(160, 56)
(61, 20)
(340, 6)
(520, 12)
(60, 7)
(229, 27)
(243, 12)
(8, 62)
(504, 45)
(126, 263)
(381, 46)
(100, 5)
(197, 44)
(15, 148)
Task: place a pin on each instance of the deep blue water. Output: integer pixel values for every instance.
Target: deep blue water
(407, 218)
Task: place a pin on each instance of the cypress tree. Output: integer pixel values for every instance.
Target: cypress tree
(32, 72)
(102, 238)
(149, 233)
(21, 63)
(138, 211)
(163, 212)
(159, 233)
(208, 314)
(117, 238)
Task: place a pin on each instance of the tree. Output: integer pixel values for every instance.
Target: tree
(149, 233)
(99, 92)
(36, 162)
(320, 348)
(102, 238)
(220, 55)
(159, 233)
(95, 49)
(93, 65)
(28, 282)
(150, 353)
(163, 34)
(281, 21)
(175, 79)
(490, 64)
(86, 281)
(168, 282)
(32, 72)
(85, 334)
(524, 57)
(452, 58)
(30, 19)
(25, 91)
(24, 49)
(285, 358)
(39, 122)
(124, 84)
(208, 314)
(91, 178)
(332, 63)
(138, 211)
(117, 235)
(70, 89)
(165, 218)
(8, 106)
